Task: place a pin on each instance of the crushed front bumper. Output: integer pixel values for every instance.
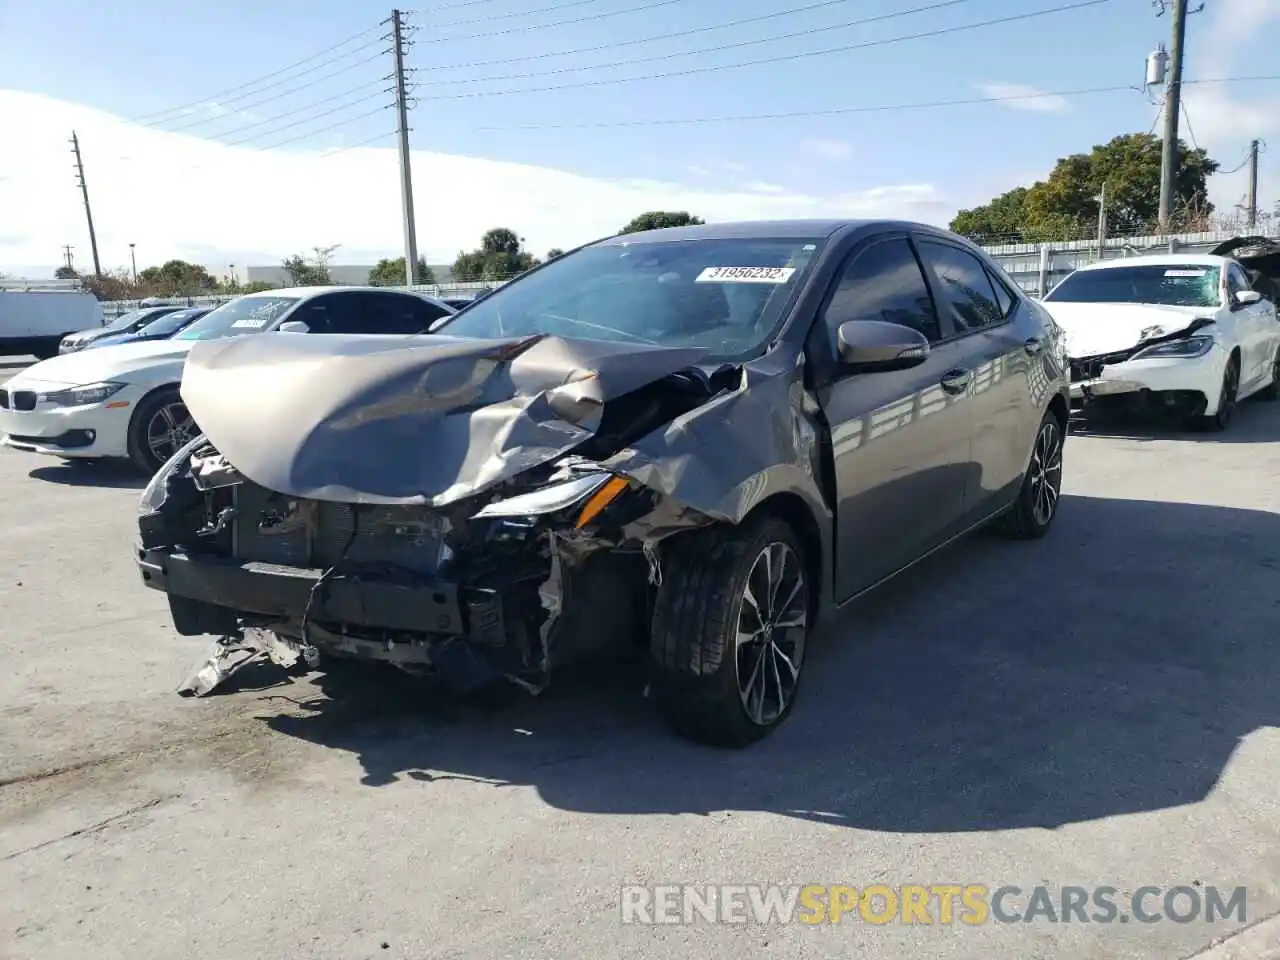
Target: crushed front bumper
(1181, 382)
(212, 595)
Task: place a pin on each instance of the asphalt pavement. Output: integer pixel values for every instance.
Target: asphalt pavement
(1099, 708)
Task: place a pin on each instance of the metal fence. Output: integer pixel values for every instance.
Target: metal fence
(460, 289)
(1035, 267)
(1039, 267)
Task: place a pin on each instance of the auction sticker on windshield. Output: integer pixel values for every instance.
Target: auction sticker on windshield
(1185, 273)
(259, 318)
(746, 275)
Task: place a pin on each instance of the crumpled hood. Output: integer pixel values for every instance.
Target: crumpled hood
(1097, 328)
(429, 420)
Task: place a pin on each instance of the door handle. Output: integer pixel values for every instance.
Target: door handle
(957, 381)
(1033, 346)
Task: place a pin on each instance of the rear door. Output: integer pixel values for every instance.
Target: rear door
(900, 439)
(999, 338)
(1254, 324)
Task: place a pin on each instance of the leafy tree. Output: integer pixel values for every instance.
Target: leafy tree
(390, 273)
(116, 285)
(258, 286)
(554, 252)
(66, 273)
(500, 256)
(176, 278)
(1065, 206)
(657, 219)
(303, 274)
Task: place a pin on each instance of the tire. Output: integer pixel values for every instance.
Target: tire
(145, 455)
(1227, 399)
(1271, 392)
(1033, 513)
(698, 661)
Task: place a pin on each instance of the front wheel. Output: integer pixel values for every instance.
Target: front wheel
(730, 626)
(1271, 391)
(1227, 398)
(1032, 513)
(161, 426)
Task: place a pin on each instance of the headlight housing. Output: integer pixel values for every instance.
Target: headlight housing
(1186, 349)
(593, 492)
(153, 494)
(82, 396)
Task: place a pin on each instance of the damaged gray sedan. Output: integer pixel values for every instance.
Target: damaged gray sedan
(698, 441)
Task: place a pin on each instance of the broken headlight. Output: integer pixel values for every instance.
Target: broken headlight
(1188, 348)
(589, 494)
(153, 494)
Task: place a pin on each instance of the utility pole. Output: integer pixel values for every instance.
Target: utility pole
(1102, 220)
(67, 258)
(402, 128)
(1253, 183)
(1172, 106)
(133, 262)
(88, 214)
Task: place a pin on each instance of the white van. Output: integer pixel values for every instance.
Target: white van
(35, 321)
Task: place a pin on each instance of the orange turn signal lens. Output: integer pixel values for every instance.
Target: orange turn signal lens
(599, 500)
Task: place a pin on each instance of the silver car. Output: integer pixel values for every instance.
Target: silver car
(700, 440)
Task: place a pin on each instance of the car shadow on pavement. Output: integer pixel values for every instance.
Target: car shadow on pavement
(16, 363)
(1110, 668)
(1253, 422)
(91, 473)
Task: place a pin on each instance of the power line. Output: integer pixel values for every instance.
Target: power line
(297, 123)
(785, 58)
(642, 8)
(252, 83)
(506, 16)
(843, 111)
(276, 96)
(737, 44)
(791, 11)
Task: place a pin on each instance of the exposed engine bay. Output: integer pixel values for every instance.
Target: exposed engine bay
(550, 563)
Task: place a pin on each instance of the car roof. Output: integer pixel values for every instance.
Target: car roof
(306, 293)
(1160, 260)
(751, 229)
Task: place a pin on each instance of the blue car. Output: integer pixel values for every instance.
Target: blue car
(161, 328)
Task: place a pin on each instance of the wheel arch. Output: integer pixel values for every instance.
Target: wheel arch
(793, 510)
(142, 400)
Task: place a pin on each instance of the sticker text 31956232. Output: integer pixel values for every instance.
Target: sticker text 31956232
(746, 274)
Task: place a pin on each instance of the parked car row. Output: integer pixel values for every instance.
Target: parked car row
(701, 442)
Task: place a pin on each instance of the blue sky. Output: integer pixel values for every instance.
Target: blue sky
(158, 56)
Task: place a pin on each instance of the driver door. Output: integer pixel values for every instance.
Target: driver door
(900, 439)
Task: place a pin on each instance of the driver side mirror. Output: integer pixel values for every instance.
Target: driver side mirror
(1244, 298)
(874, 345)
(293, 326)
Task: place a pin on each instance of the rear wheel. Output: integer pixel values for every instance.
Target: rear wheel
(1032, 513)
(1227, 398)
(730, 626)
(160, 427)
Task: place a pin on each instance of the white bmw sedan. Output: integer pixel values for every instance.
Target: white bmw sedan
(1180, 333)
(123, 401)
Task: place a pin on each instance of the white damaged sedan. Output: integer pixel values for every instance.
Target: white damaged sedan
(1181, 333)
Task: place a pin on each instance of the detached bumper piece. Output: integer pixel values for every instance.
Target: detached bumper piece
(394, 617)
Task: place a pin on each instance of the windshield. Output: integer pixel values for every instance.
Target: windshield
(1178, 285)
(245, 315)
(168, 323)
(124, 321)
(725, 295)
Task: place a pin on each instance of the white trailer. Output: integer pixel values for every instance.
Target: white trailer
(33, 320)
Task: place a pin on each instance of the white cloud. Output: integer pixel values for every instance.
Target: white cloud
(181, 196)
(761, 186)
(826, 149)
(1029, 98)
